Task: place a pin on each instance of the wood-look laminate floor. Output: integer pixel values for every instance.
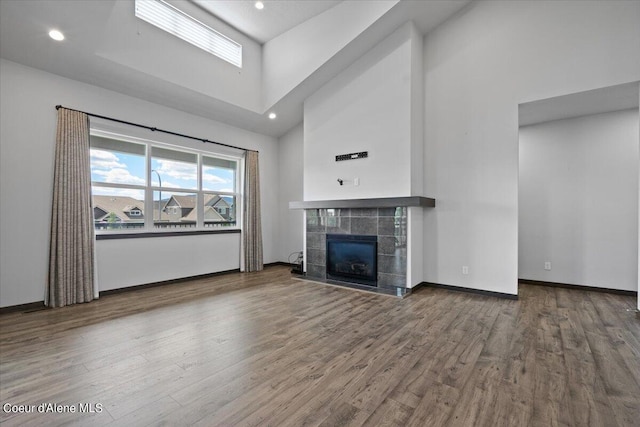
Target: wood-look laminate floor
(267, 349)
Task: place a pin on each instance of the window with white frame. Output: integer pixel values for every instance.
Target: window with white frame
(141, 185)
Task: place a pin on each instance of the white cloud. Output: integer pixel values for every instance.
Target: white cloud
(120, 176)
(110, 168)
(177, 170)
(167, 184)
(213, 179)
(101, 159)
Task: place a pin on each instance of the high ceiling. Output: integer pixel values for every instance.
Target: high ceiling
(277, 17)
(108, 47)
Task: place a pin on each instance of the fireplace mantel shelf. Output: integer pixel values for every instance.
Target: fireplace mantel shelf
(382, 202)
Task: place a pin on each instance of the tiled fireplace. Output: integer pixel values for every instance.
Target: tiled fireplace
(388, 225)
(393, 224)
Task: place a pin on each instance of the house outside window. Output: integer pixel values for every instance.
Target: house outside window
(140, 186)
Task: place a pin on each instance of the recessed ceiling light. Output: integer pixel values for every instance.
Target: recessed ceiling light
(56, 35)
(272, 116)
(259, 5)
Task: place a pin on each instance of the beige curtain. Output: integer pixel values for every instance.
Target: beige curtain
(251, 223)
(71, 269)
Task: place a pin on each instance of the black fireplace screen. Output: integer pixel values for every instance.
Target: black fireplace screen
(352, 258)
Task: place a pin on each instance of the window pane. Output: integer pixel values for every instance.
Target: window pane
(175, 169)
(170, 176)
(218, 174)
(174, 210)
(117, 162)
(219, 211)
(116, 209)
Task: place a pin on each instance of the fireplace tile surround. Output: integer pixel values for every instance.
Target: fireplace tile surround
(389, 224)
(387, 218)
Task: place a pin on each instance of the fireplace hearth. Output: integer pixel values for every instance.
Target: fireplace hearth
(352, 258)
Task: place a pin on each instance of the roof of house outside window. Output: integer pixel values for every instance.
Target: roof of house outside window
(119, 205)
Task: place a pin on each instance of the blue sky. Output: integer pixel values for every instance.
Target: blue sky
(122, 168)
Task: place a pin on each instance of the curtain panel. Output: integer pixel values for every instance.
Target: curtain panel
(251, 218)
(71, 255)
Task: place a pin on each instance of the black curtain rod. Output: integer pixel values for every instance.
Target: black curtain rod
(154, 129)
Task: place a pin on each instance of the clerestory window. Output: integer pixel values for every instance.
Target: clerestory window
(174, 21)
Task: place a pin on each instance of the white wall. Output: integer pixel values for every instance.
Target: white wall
(294, 55)
(479, 66)
(290, 186)
(578, 201)
(376, 105)
(27, 135)
(417, 115)
(365, 108)
(415, 246)
(153, 51)
(130, 262)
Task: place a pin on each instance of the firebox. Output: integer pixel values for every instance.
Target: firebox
(352, 258)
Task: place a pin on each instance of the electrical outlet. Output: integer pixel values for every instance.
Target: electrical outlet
(465, 269)
(547, 265)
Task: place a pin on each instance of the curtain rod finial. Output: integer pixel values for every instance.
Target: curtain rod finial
(58, 107)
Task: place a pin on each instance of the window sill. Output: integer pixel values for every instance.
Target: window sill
(144, 235)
